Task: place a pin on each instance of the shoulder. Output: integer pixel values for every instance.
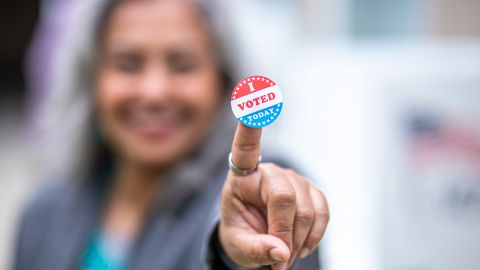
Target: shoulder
(44, 207)
(49, 197)
(39, 216)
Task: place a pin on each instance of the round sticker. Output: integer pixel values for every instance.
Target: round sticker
(256, 101)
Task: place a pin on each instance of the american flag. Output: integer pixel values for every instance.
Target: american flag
(435, 138)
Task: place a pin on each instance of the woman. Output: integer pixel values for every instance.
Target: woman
(157, 194)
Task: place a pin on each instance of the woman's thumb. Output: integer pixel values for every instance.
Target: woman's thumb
(264, 249)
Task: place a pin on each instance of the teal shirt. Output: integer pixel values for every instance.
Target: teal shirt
(105, 252)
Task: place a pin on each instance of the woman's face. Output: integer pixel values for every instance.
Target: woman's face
(158, 85)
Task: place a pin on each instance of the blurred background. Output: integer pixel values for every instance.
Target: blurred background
(382, 110)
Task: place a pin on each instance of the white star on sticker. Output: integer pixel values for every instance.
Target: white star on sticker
(267, 81)
(248, 80)
(271, 84)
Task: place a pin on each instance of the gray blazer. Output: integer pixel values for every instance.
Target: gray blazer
(62, 217)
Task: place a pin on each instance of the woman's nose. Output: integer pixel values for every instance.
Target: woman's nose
(155, 85)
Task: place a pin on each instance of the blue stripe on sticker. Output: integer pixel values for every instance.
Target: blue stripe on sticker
(262, 118)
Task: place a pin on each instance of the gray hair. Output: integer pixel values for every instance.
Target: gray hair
(63, 122)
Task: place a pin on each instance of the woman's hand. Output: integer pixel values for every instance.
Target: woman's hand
(271, 216)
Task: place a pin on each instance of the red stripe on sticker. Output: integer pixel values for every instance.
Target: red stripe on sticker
(251, 85)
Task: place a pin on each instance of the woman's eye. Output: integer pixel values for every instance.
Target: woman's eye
(182, 63)
(127, 63)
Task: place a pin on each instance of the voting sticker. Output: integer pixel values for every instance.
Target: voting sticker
(256, 101)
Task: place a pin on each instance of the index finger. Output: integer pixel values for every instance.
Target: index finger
(246, 146)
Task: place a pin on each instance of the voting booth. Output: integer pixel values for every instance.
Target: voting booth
(392, 135)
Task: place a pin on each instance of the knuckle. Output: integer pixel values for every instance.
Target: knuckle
(304, 216)
(247, 147)
(255, 253)
(283, 228)
(323, 216)
(291, 172)
(284, 197)
(305, 183)
(320, 194)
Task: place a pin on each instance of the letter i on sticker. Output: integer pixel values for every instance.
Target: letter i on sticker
(256, 101)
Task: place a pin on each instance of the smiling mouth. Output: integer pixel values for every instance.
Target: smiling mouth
(157, 124)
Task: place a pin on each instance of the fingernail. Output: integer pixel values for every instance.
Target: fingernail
(304, 253)
(276, 255)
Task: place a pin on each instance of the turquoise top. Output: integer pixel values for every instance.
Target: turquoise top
(105, 252)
